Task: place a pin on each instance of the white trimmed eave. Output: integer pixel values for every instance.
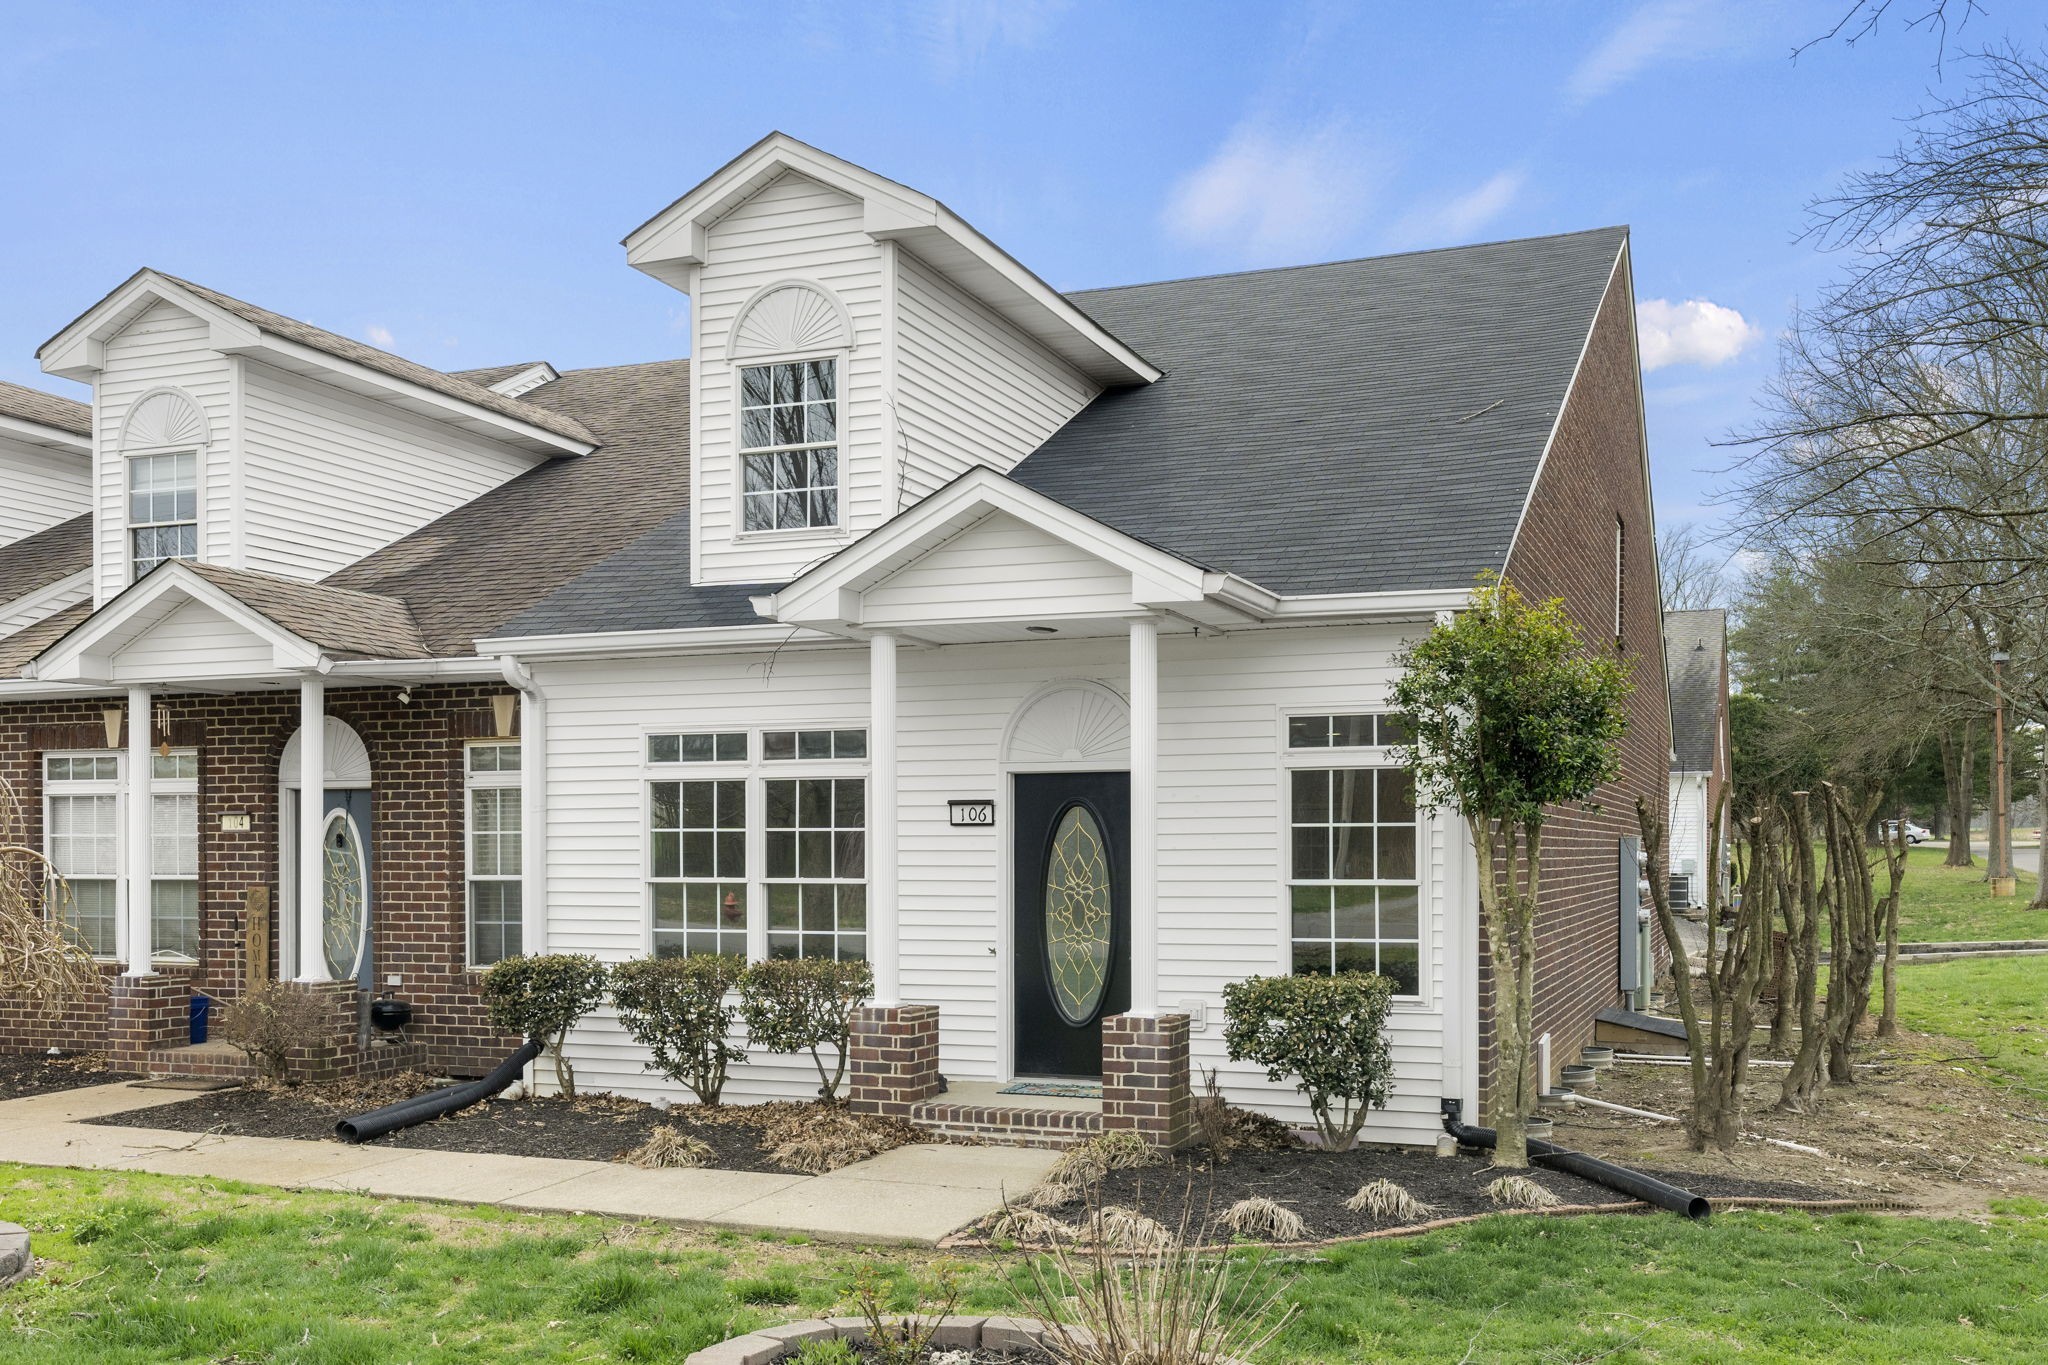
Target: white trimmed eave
(49, 599)
(79, 352)
(87, 652)
(25, 432)
(670, 245)
(640, 644)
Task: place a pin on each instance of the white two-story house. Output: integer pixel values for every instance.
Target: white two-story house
(1033, 646)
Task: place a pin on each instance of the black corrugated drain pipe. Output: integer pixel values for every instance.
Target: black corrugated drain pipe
(436, 1103)
(1634, 1184)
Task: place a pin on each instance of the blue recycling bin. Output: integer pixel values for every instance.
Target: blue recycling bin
(202, 1006)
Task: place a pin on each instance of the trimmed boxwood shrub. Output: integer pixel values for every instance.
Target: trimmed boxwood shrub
(542, 997)
(677, 1008)
(1327, 1032)
(805, 1004)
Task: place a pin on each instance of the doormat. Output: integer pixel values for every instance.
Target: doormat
(1066, 1090)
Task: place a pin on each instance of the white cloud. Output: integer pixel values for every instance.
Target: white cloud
(1649, 32)
(1694, 332)
(1269, 192)
(1462, 217)
(958, 34)
(378, 335)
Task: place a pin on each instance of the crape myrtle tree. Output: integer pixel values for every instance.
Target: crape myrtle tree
(1513, 716)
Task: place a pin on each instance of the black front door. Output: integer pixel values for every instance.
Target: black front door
(1073, 915)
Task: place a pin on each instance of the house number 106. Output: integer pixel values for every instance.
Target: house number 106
(972, 812)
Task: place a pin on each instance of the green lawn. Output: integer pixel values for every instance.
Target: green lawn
(1946, 904)
(1998, 1005)
(164, 1269)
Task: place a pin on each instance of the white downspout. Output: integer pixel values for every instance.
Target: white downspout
(533, 804)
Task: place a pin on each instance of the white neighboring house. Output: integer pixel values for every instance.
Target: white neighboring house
(45, 490)
(1034, 647)
(1696, 658)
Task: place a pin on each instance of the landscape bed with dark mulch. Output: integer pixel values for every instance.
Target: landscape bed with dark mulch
(1316, 1184)
(38, 1073)
(588, 1128)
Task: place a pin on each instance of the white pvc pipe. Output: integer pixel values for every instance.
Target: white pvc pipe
(1624, 1109)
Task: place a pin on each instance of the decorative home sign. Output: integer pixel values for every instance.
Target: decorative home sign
(972, 813)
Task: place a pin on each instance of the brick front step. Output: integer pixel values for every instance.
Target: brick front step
(1006, 1125)
(216, 1061)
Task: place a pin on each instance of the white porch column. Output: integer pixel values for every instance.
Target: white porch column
(138, 843)
(312, 826)
(883, 942)
(1144, 816)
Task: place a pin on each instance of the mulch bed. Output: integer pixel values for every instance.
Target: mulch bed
(589, 1128)
(36, 1073)
(1315, 1184)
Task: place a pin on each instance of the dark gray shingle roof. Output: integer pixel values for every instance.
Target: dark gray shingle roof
(493, 374)
(45, 409)
(39, 560)
(1352, 427)
(467, 573)
(17, 649)
(1362, 426)
(1695, 646)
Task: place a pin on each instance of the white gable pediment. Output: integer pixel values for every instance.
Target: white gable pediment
(173, 626)
(986, 549)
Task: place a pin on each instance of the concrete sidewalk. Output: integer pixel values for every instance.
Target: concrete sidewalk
(913, 1194)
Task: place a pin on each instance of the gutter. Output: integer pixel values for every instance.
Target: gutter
(533, 805)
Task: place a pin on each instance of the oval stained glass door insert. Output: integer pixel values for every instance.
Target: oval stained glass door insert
(344, 896)
(1078, 903)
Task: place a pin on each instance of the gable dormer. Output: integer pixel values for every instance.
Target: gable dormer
(856, 346)
(229, 435)
(45, 460)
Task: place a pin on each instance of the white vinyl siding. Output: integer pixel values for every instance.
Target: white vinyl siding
(193, 641)
(972, 389)
(793, 229)
(1222, 825)
(164, 347)
(40, 487)
(329, 477)
(995, 570)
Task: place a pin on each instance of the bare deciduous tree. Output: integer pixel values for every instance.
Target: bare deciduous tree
(39, 964)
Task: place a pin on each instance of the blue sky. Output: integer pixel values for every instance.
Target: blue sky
(451, 181)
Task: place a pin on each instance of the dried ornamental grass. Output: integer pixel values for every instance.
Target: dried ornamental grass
(1178, 1305)
(817, 1140)
(1122, 1229)
(1262, 1218)
(1520, 1192)
(1388, 1202)
(668, 1147)
(1029, 1225)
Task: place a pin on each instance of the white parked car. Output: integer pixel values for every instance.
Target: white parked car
(1914, 833)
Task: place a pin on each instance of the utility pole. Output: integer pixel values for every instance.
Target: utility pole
(1999, 871)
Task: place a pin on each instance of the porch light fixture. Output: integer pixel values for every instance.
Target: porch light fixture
(1043, 630)
(110, 717)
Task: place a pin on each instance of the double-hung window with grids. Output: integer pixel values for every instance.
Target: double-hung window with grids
(494, 784)
(84, 841)
(1354, 891)
(758, 832)
(163, 509)
(789, 446)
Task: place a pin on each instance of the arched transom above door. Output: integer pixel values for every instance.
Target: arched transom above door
(348, 758)
(1079, 724)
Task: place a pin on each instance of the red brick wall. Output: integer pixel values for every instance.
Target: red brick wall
(415, 752)
(1593, 475)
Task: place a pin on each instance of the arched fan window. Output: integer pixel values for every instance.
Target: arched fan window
(789, 407)
(161, 444)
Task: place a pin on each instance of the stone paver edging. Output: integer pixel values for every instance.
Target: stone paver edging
(15, 1259)
(916, 1194)
(770, 1344)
